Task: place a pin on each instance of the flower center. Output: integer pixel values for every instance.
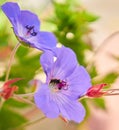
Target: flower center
(30, 30)
(58, 84)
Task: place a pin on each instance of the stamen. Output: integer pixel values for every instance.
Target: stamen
(62, 85)
(58, 84)
(30, 30)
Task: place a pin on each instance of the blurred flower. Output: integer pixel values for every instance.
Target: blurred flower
(26, 27)
(66, 82)
(7, 91)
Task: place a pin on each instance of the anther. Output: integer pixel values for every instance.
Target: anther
(58, 84)
(30, 30)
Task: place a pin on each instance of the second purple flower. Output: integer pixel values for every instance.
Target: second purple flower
(66, 82)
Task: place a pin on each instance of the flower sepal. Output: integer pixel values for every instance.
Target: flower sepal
(7, 90)
(96, 91)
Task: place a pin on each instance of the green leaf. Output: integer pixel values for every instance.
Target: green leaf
(12, 103)
(89, 17)
(22, 52)
(110, 78)
(93, 71)
(99, 102)
(85, 104)
(9, 119)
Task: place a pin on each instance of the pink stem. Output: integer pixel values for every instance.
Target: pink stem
(11, 60)
(111, 92)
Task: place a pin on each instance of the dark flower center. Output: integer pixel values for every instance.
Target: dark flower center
(30, 30)
(58, 84)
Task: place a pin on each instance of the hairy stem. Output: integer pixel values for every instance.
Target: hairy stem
(23, 99)
(111, 92)
(26, 95)
(34, 121)
(11, 60)
(28, 124)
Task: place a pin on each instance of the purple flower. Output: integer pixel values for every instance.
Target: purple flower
(26, 27)
(66, 82)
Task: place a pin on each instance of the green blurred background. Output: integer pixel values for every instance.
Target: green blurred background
(72, 25)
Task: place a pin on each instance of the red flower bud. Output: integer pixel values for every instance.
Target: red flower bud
(7, 90)
(96, 90)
